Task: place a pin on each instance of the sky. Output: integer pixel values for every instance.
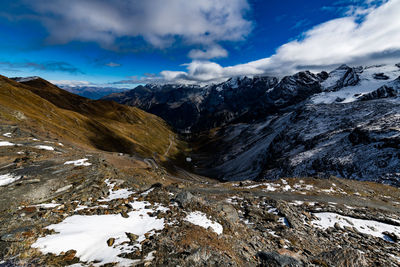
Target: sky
(123, 43)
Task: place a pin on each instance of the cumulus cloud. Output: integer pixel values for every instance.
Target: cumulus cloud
(367, 36)
(211, 52)
(158, 22)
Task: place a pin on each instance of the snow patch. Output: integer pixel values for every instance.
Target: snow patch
(7, 135)
(145, 193)
(8, 178)
(79, 162)
(47, 205)
(200, 219)
(115, 194)
(88, 235)
(6, 143)
(369, 227)
(49, 148)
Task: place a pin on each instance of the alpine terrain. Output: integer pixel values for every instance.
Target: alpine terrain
(264, 171)
(206, 133)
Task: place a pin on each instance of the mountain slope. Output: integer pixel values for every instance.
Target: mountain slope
(103, 125)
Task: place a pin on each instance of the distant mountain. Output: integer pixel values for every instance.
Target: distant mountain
(342, 123)
(93, 92)
(197, 108)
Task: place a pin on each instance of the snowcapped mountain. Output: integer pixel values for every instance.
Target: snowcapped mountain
(347, 84)
(343, 123)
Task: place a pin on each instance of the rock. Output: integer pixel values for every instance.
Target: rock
(124, 214)
(63, 189)
(69, 255)
(156, 185)
(337, 226)
(17, 235)
(200, 255)
(132, 237)
(273, 259)
(382, 92)
(110, 241)
(229, 213)
(343, 257)
(392, 236)
(184, 198)
(381, 76)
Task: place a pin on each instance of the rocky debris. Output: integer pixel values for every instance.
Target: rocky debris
(273, 259)
(255, 230)
(342, 257)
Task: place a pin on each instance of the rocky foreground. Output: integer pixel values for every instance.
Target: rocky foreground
(64, 206)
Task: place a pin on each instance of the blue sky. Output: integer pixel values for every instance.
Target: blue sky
(126, 42)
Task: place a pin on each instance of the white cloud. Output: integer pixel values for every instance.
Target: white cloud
(215, 51)
(158, 22)
(70, 83)
(368, 37)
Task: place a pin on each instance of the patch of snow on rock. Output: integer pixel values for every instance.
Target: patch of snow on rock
(47, 205)
(6, 143)
(200, 219)
(369, 227)
(88, 235)
(79, 162)
(8, 178)
(115, 194)
(49, 148)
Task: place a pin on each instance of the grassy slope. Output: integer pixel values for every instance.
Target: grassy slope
(94, 124)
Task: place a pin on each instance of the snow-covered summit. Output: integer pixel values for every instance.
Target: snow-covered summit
(342, 77)
(346, 84)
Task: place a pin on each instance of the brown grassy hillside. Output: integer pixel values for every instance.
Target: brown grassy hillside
(104, 125)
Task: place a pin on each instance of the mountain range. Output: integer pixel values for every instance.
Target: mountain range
(342, 123)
